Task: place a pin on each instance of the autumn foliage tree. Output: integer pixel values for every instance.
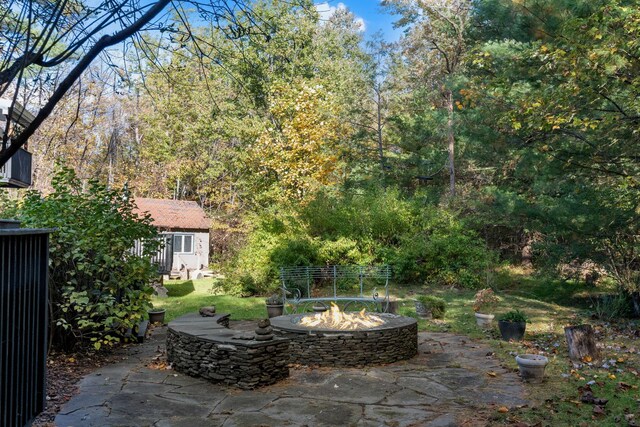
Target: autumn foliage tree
(300, 149)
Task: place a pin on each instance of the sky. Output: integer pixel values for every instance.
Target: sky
(368, 13)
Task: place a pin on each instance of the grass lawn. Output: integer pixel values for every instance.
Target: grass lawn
(550, 305)
(187, 296)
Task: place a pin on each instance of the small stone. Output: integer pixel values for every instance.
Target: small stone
(209, 311)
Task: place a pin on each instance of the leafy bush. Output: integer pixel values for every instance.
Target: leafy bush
(485, 301)
(275, 299)
(442, 252)
(98, 287)
(514, 316)
(421, 243)
(438, 306)
(611, 307)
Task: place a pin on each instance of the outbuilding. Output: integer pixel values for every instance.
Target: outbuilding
(189, 226)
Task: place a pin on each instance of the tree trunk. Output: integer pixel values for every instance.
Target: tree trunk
(379, 129)
(581, 343)
(451, 139)
(527, 251)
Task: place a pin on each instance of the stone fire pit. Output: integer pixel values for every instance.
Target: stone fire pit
(396, 339)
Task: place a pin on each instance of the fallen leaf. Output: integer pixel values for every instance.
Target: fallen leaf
(612, 377)
(624, 386)
(587, 359)
(492, 374)
(503, 409)
(598, 410)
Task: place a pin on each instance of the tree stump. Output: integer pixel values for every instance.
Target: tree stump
(581, 343)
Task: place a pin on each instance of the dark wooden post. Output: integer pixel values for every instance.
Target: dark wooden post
(581, 342)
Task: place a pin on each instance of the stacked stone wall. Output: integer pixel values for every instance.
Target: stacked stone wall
(352, 348)
(221, 356)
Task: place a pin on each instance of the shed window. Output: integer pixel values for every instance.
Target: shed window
(183, 243)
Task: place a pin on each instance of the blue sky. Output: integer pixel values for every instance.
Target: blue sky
(372, 15)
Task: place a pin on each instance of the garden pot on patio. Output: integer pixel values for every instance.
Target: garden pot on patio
(532, 367)
(320, 308)
(157, 315)
(275, 305)
(484, 320)
(275, 310)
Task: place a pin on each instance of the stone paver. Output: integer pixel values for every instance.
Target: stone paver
(446, 384)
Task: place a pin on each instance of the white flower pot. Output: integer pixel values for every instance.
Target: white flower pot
(484, 320)
(532, 367)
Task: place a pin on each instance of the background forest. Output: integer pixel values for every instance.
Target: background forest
(493, 131)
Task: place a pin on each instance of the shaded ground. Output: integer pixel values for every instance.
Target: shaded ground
(63, 373)
(453, 381)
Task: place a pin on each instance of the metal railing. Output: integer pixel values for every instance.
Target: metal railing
(24, 259)
(304, 285)
(163, 258)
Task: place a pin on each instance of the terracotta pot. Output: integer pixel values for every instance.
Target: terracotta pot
(532, 367)
(484, 320)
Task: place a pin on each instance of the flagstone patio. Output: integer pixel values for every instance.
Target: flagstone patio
(447, 384)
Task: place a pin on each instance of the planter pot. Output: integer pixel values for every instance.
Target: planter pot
(512, 330)
(422, 311)
(484, 320)
(531, 367)
(156, 316)
(275, 310)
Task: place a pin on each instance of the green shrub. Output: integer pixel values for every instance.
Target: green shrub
(438, 306)
(421, 243)
(611, 307)
(98, 288)
(515, 316)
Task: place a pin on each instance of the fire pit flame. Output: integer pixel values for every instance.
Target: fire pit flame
(340, 320)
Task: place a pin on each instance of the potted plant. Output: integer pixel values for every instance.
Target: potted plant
(485, 302)
(428, 306)
(512, 325)
(531, 367)
(275, 305)
(156, 315)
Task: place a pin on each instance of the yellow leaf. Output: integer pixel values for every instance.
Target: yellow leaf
(587, 359)
(72, 360)
(492, 374)
(503, 409)
(612, 377)
(517, 125)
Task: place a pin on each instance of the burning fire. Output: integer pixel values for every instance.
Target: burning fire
(336, 319)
